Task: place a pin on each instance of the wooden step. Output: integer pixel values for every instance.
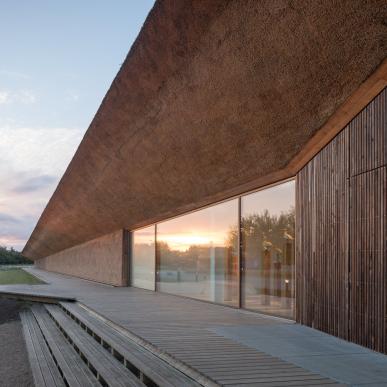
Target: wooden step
(110, 371)
(137, 357)
(75, 372)
(44, 370)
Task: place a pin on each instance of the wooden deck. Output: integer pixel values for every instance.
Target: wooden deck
(191, 332)
(69, 346)
(43, 367)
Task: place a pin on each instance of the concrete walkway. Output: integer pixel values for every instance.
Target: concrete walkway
(180, 326)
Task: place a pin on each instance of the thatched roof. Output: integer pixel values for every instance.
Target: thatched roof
(214, 97)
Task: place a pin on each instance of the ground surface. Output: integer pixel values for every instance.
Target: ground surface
(174, 324)
(14, 365)
(10, 276)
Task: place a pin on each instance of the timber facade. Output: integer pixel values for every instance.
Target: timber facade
(342, 232)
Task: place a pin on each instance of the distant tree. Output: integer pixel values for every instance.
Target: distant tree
(12, 257)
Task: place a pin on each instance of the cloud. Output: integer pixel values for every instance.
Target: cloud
(14, 232)
(5, 218)
(32, 160)
(14, 74)
(12, 241)
(35, 183)
(72, 96)
(26, 97)
(4, 97)
(38, 151)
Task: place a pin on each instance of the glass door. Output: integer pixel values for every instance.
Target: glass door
(267, 250)
(143, 258)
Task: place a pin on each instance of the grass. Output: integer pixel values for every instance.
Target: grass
(13, 276)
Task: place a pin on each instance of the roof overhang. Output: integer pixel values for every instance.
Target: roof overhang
(215, 98)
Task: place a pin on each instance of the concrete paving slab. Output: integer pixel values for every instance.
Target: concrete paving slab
(321, 353)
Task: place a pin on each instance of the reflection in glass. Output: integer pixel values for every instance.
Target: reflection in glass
(198, 254)
(143, 258)
(267, 226)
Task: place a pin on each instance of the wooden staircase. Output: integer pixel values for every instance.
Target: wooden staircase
(68, 346)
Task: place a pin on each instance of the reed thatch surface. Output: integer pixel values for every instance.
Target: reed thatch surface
(212, 95)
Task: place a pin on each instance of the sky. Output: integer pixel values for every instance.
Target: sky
(58, 59)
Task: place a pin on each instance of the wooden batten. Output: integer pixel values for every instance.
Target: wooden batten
(342, 227)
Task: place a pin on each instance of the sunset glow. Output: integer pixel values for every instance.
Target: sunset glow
(182, 242)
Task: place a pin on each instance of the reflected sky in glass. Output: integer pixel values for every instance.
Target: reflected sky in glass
(145, 235)
(143, 260)
(275, 199)
(208, 227)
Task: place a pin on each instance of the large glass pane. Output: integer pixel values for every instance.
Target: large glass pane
(268, 250)
(198, 254)
(143, 258)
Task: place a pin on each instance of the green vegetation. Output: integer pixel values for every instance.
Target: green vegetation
(16, 275)
(12, 257)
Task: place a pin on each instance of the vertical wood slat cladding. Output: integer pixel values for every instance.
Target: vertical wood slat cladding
(368, 137)
(322, 213)
(342, 232)
(368, 259)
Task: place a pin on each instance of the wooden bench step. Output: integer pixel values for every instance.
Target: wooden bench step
(75, 372)
(110, 371)
(157, 370)
(44, 370)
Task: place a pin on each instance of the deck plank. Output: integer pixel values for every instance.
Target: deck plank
(153, 367)
(32, 356)
(107, 366)
(49, 373)
(75, 371)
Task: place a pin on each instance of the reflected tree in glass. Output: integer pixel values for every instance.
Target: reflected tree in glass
(267, 232)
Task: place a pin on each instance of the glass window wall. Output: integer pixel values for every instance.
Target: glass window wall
(143, 258)
(198, 254)
(267, 234)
